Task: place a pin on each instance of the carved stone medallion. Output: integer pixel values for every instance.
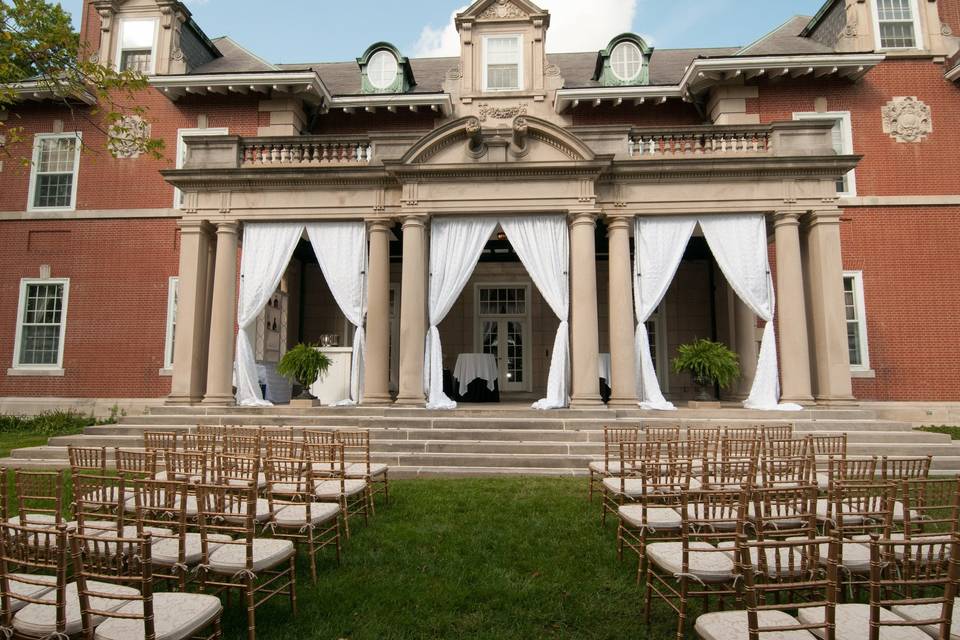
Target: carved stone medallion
(501, 113)
(502, 10)
(906, 119)
(128, 137)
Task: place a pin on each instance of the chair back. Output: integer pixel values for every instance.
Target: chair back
(931, 506)
(863, 469)
(160, 440)
(228, 511)
(895, 469)
(612, 437)
(665, 480)
(32, 559)
(709, 434)
(235, 470)
(39, 496)
(785, 472)
(98, 504)
(729, 474)
(784, 448)
(356, 448)
(776, 431)
(782, 512)
(242, 445)
(664, 433)
(284, 447)
(741, 433)
(696, 450)
(215, 430)
(860, 509)
(187, 466)
(135, 464)
(87, 460)
(739, 448)
(319, 436)
(200, 442)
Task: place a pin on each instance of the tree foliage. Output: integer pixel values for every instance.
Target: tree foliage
(38, 44)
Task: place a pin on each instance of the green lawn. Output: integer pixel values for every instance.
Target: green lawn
(15, 440)
(953, 432)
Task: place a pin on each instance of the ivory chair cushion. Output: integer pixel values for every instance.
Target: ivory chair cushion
(658, 518)
(166, 551)
(39, 521)
(612, 467)
(295, 515)
(359, 469)
(786, 555)
(40, 620)
(28, 590)
(261, 481)
(191, 509)
(707, 566)
(262, 514)
(823, 480)
(176, 616)
(734, 625)
(632, 487)
(853, 623)
(330, 489)
(854, 556)
(267, 553)
(930, 612)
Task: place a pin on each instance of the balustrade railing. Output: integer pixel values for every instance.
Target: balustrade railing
(305, 151)
(699, 141)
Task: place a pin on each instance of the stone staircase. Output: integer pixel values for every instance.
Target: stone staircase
(479, 441)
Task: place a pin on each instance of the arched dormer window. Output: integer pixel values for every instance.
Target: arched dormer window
(625, 61)
(384, 70)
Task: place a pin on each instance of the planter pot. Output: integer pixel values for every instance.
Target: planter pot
(704, 390)
(302, 392)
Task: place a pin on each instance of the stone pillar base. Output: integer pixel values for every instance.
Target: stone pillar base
(806, 401)
(838, 402)
(174, 401)
(586, 402)
(623, 403)
(376, 400)
(412, 401)
(219, 401)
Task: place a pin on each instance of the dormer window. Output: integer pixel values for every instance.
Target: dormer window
(898, 25)
(137, 46)
(382, 69)
(625, 61)
(503, 63)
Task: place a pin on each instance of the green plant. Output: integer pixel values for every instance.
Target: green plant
(708, 362)
(47, 423)
(304, 364)
(953, 432)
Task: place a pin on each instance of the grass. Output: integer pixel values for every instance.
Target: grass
(14, 440)
(953, 432)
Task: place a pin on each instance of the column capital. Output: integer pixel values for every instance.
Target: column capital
(786, 218)
(228, 227)
(379, 225)
(822, 217)
(194, 226)
(577, 218)
(418, 220)
(619, 223)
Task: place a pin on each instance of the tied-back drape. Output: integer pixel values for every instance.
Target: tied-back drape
(543, 245)
(455, 247)
(267, 249)
(341, 250)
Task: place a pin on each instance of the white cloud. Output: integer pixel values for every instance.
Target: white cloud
(575, 25)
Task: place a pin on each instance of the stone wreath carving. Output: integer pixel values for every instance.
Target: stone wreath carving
(906, 119)
(501, 113)
(501, 10)
(128, 136)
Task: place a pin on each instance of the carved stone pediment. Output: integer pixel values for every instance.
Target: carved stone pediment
(906, 119)
(503, 10)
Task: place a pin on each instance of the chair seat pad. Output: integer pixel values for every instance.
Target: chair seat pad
(267, 553)
(359, 469)
(612, 467)
(658, 518)
(40, 521)
(331, 488)
(28, 590)
(237, 482)
(824, 508)
(930, 612)
(733, 625)
(40, 620)
(671, 485)
(854, 556)
(176, 616)
(631, 487)
(191, 506)
(166, 551)
(853, 623)
(787, 555)
(707, 565)
(262, 514)
(295, 515)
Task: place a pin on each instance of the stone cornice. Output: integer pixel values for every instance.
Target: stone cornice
(497, 170)
(713, 168)
(292, 177)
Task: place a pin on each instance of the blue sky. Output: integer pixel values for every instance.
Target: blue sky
(323, 30)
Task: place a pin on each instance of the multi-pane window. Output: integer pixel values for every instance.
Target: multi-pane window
(173, 290)
(382, 69)
(39, 341)
(137, 38)
(503, 60)
(504, 328)
(896, 24)
(842, 136)
(626, 61)
(53, 182)
(856, 320)
(503, 301)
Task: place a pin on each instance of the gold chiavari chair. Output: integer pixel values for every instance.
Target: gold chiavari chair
(39, 498)
(822, 448)
(739, 448)
(284, 448)
(91, 460)
(785, 471)
(98, 505)
(850, 470)
(776, 431)
(741, 433)
(160, 440)
(610, 465)
(241, 445)
(206, 442)
(786, 448)
(328, 466)
(628, 486)
(896, 469)
(664, 433)
(729, 474)
(33, 583)
(319, 436)
(187, 466)
(356, 449)
(237, 471)
(160, 510)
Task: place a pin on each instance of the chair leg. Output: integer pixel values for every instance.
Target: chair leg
(648, 594)
(339, 519)
(620, 541)
(251, 609)
(592, 480)
(386, 488)
(346, 516)
(293, 584)
(217, 629)
(311, 545)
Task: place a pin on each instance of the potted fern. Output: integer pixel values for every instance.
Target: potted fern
(304, 364)
(708, 363)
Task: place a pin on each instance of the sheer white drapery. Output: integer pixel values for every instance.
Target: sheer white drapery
(455, 247)
(659, 246)
(267, 249)
(739, 245)
(543, 245)
(341, 250)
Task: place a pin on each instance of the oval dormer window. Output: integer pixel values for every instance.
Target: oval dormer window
(626, 61)
(382, 70)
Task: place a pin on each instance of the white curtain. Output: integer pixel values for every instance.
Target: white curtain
(341, 250)
(267, 249)
(543, 245)
(739, 245)
(659, 244)
(455, 247)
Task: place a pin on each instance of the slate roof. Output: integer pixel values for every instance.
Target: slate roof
(786, 40)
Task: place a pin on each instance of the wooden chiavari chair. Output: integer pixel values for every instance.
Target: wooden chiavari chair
(922, 590)
(89, 460)
(610, 465)
(284, 448)
(328, 466)
(259, 568)
(739, 448)
(33, 582)
(187, 466)
(849, 470)
(782, 513)
(356, 448)
(160, 510)
(215, 430)
(777, 595)
(135, 464)
(740, 433)
(777, 431)
(666, 433)
(129, 607)
(785, 448)
(205, 442)
(319, 436)
(296, 515)
(160, 440)
(39, 498)
(822, 448)
(242, 445)
(628, 486)
(785, 472)
(708, 433)
(98, 505)
(729, 474)
(237, 471)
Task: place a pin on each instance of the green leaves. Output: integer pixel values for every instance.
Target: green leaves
(304, 363)
(708, 362)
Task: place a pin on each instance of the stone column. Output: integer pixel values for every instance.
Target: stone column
(222, 318)
(190, 351)
(745, 335)
(825, 312)
(791, 311)
(623, 391)
(413, 311)
(376, 368)
(584, 330)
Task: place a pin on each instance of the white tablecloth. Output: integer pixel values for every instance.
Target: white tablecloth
(471, 366)
(604, 366)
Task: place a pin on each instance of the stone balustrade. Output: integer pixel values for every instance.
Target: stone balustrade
(305, 150)
(699, 141)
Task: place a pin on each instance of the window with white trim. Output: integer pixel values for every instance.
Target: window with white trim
(382, 69)
(842, 143)
(626, 61)
(503, 63)
(53, 173)
(856, 317)
(41, 323)
(897, 24)
(173, 289)
(136, 48)
(182, 153)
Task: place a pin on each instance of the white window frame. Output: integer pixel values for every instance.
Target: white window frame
(21, 310)
(846, 138)
(478, 319)
(861, 307)
(37, 139)
(182, 148)
(917, 28)
(173, 283)
(613, 66)
(396, 69)
(118, 57)
(520, 52)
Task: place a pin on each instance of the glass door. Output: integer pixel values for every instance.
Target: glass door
(503, 330)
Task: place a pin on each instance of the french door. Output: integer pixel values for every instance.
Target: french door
(503, 330)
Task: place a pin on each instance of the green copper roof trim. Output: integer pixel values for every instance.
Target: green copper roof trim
(604, 72)
(404, 80)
